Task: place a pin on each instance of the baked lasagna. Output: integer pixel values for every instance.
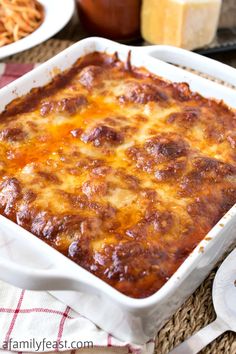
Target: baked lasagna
(118, 169)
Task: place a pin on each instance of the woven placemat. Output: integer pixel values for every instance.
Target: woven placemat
(198, 310)
(41, 53)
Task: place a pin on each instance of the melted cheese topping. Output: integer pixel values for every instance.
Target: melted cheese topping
(119, 170)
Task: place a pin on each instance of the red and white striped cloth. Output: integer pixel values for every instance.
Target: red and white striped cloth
(11, 71)
(34, 317)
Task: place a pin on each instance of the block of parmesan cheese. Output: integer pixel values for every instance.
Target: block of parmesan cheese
(187, 24)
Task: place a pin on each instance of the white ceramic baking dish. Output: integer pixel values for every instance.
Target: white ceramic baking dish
(29, 263)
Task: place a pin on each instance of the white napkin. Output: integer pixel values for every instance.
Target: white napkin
(44, 324)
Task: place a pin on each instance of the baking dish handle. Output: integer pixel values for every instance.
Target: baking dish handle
(191, 60)
(52, 279)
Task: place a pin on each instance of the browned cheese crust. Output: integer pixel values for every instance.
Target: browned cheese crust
(118, 169)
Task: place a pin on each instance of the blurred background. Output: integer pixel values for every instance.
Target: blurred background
(206, 26)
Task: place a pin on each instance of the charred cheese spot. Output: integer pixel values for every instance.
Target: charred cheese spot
(29, 196)
(204, 209)
(10, 194)
(69, 105)
(80, 252)
(174, 169)
(102, 135)
(138, 92)
(213, 169)
(208, 170)
(155, 223)
(94, 188)
(89, 76)
(49, 177)
(118, 169)
(181, 92)
(47, 107)
(12, 134)
(164, 148)
(185, 119)
(165, 155)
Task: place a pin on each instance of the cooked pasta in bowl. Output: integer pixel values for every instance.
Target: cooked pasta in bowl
(19, 18)
(27, 23)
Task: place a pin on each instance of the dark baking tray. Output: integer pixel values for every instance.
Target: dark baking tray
(224, 41)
